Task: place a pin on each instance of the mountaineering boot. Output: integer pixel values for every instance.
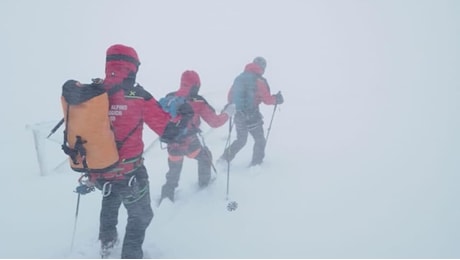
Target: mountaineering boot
(222, 163)
(107, 247)
(252, 164)
(203, 183)
(167, 192)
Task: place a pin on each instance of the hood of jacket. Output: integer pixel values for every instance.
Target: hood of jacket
(254, 68)
(189, 84)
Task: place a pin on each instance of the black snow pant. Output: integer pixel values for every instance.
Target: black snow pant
(244, 126)
(136, 199)
(191, 148)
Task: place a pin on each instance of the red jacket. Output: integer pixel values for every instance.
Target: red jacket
(130, 108)
(263, 94)
(202, 109)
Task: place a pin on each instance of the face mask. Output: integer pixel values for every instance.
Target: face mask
(194, 91)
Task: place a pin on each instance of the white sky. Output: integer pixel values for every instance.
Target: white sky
(362, 160)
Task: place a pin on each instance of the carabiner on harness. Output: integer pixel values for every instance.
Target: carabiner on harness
(106, 189)
(131, 180)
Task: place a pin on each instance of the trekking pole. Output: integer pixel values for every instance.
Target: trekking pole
(75, 222)
(232, 205)
(270, 126)
(56, 127)
(87, 189)
(230, 126)
(227, 145)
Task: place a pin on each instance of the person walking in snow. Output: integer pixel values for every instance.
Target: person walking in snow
(189, 145)
(128, 183)
(248, 91)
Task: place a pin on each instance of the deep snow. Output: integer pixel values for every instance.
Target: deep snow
(362, 159)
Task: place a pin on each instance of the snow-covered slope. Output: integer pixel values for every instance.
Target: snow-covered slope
(362, 159)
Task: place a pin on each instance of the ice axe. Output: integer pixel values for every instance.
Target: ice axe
(56, 127)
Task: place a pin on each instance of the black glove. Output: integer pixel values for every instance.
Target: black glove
(97, 81)
(279, 98)
(84, 189)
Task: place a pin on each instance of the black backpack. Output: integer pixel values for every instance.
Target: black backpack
(181, 113)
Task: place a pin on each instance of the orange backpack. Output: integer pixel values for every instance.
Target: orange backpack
(88, 138)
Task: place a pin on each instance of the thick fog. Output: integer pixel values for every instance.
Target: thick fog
(362, 159)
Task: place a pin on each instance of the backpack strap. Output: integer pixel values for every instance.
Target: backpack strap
(120, 143)
(78, 149)
(114, 89)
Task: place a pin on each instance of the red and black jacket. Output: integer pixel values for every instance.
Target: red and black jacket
(190, 84)
(130, 105)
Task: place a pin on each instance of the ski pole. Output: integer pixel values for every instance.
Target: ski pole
(270, 125)
(232, 205)
(230, 126)
(56, 127)
(227, 145)
(75, 222)
(228, 180)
